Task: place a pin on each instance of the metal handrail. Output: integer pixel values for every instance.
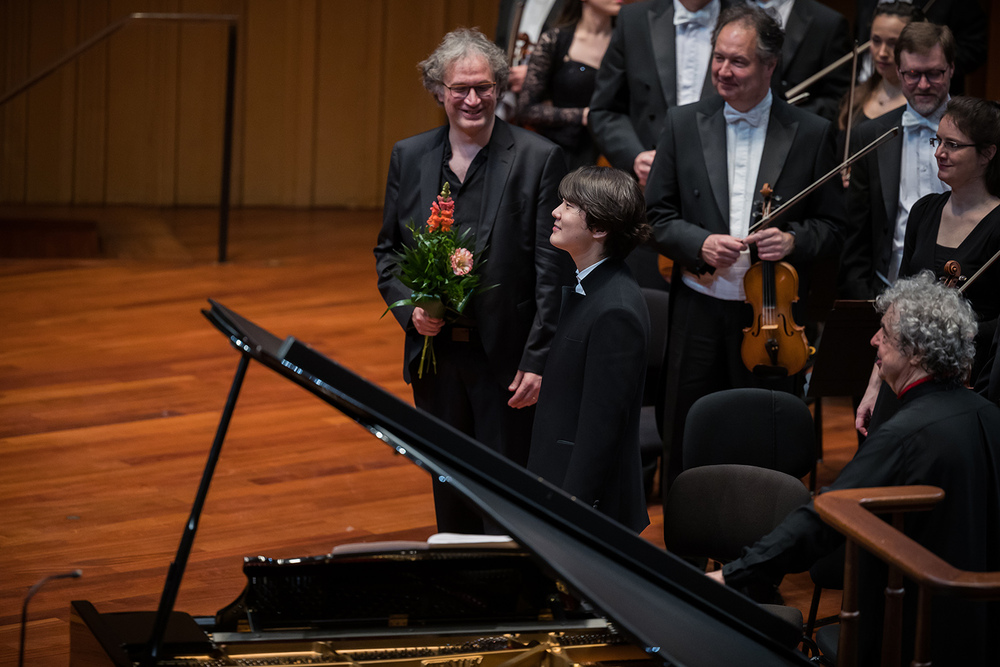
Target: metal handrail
(227, 138)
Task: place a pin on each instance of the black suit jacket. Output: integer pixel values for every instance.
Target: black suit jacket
(815, 36)
(586, 434)
(688, 191)
(988, 383)
(637, 82)
(872, 206)
(515, 320)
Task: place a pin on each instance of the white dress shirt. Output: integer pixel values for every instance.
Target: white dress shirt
(917, 175)
(745, 135)
(580, 275)
(693, 48)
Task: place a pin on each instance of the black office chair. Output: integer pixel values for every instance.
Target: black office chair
(715, 511)
(758, 427)
(650, 435)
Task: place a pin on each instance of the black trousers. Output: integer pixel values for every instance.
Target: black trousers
(465, 393)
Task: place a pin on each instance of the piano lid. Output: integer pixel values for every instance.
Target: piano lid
(670, 609)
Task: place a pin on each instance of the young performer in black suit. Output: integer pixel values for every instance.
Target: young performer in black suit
(586, 434)
(504, 181)
(712, 160)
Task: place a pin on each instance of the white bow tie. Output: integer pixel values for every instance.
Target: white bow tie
(754, 117)
(912, 119)
(702, 17)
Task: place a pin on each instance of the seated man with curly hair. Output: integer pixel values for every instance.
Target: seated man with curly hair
(944, 435)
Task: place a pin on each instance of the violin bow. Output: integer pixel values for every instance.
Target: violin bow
(846, 174)
(767, 219)
(978, 273)
(515, 27)
(794, 91)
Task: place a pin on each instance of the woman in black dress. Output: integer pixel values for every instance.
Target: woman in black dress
(555, 98)
(960, 226)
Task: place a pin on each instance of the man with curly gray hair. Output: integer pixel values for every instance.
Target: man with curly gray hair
(504, 181)
(943, 435)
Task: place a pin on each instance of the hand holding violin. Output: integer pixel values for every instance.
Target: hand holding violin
(722, 250)
(772, 244)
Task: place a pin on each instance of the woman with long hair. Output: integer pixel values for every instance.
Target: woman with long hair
(562, 71)
(881, 92)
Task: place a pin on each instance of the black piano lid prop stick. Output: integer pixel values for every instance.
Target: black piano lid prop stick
(75, 574)
(176, 572)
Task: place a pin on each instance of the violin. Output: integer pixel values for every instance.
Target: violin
(773, 345)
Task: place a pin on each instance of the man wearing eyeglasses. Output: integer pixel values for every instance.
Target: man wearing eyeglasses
(504, 181)
(888, 181)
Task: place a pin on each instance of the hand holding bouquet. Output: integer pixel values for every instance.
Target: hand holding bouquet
(438, 269)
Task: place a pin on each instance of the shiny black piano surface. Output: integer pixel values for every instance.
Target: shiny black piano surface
(593, 592)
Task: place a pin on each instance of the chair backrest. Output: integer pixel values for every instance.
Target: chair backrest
(758, 427)
(715, 511)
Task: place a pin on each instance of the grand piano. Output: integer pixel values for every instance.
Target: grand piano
(569, 586)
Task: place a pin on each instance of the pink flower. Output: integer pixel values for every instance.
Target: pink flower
(461, 261)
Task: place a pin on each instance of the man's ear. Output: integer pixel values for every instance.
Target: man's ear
(599, 233)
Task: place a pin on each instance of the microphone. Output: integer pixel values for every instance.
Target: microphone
(75, 574)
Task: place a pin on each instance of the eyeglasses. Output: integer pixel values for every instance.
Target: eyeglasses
(912, 76)
(948, 144)
(484, 91)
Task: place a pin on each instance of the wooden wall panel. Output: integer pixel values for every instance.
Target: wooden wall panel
(349, 84)
(324, 88)
(142, 107)
(51, 104)
(201, 102)
(280, 87)
(407, 107)
(90, 146)
(15, 29)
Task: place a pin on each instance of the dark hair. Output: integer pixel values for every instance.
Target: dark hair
(922, 36)
(569, 14)
(458, 45)
(904, 10)
(980, 121)
(907, 13)
(770, 36)
(612, 202)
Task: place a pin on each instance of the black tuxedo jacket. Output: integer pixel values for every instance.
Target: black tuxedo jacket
(637, 82)
(815, 36)
(515, 320)
(586, 434)
(688, 191)
(872, 206)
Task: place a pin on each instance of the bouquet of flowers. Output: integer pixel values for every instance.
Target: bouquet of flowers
(438, 269)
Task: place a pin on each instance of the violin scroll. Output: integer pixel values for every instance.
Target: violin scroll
(953, 274)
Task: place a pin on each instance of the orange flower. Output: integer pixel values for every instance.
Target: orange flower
(442, 211)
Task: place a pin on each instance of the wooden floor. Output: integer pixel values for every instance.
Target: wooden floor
(111, 386)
